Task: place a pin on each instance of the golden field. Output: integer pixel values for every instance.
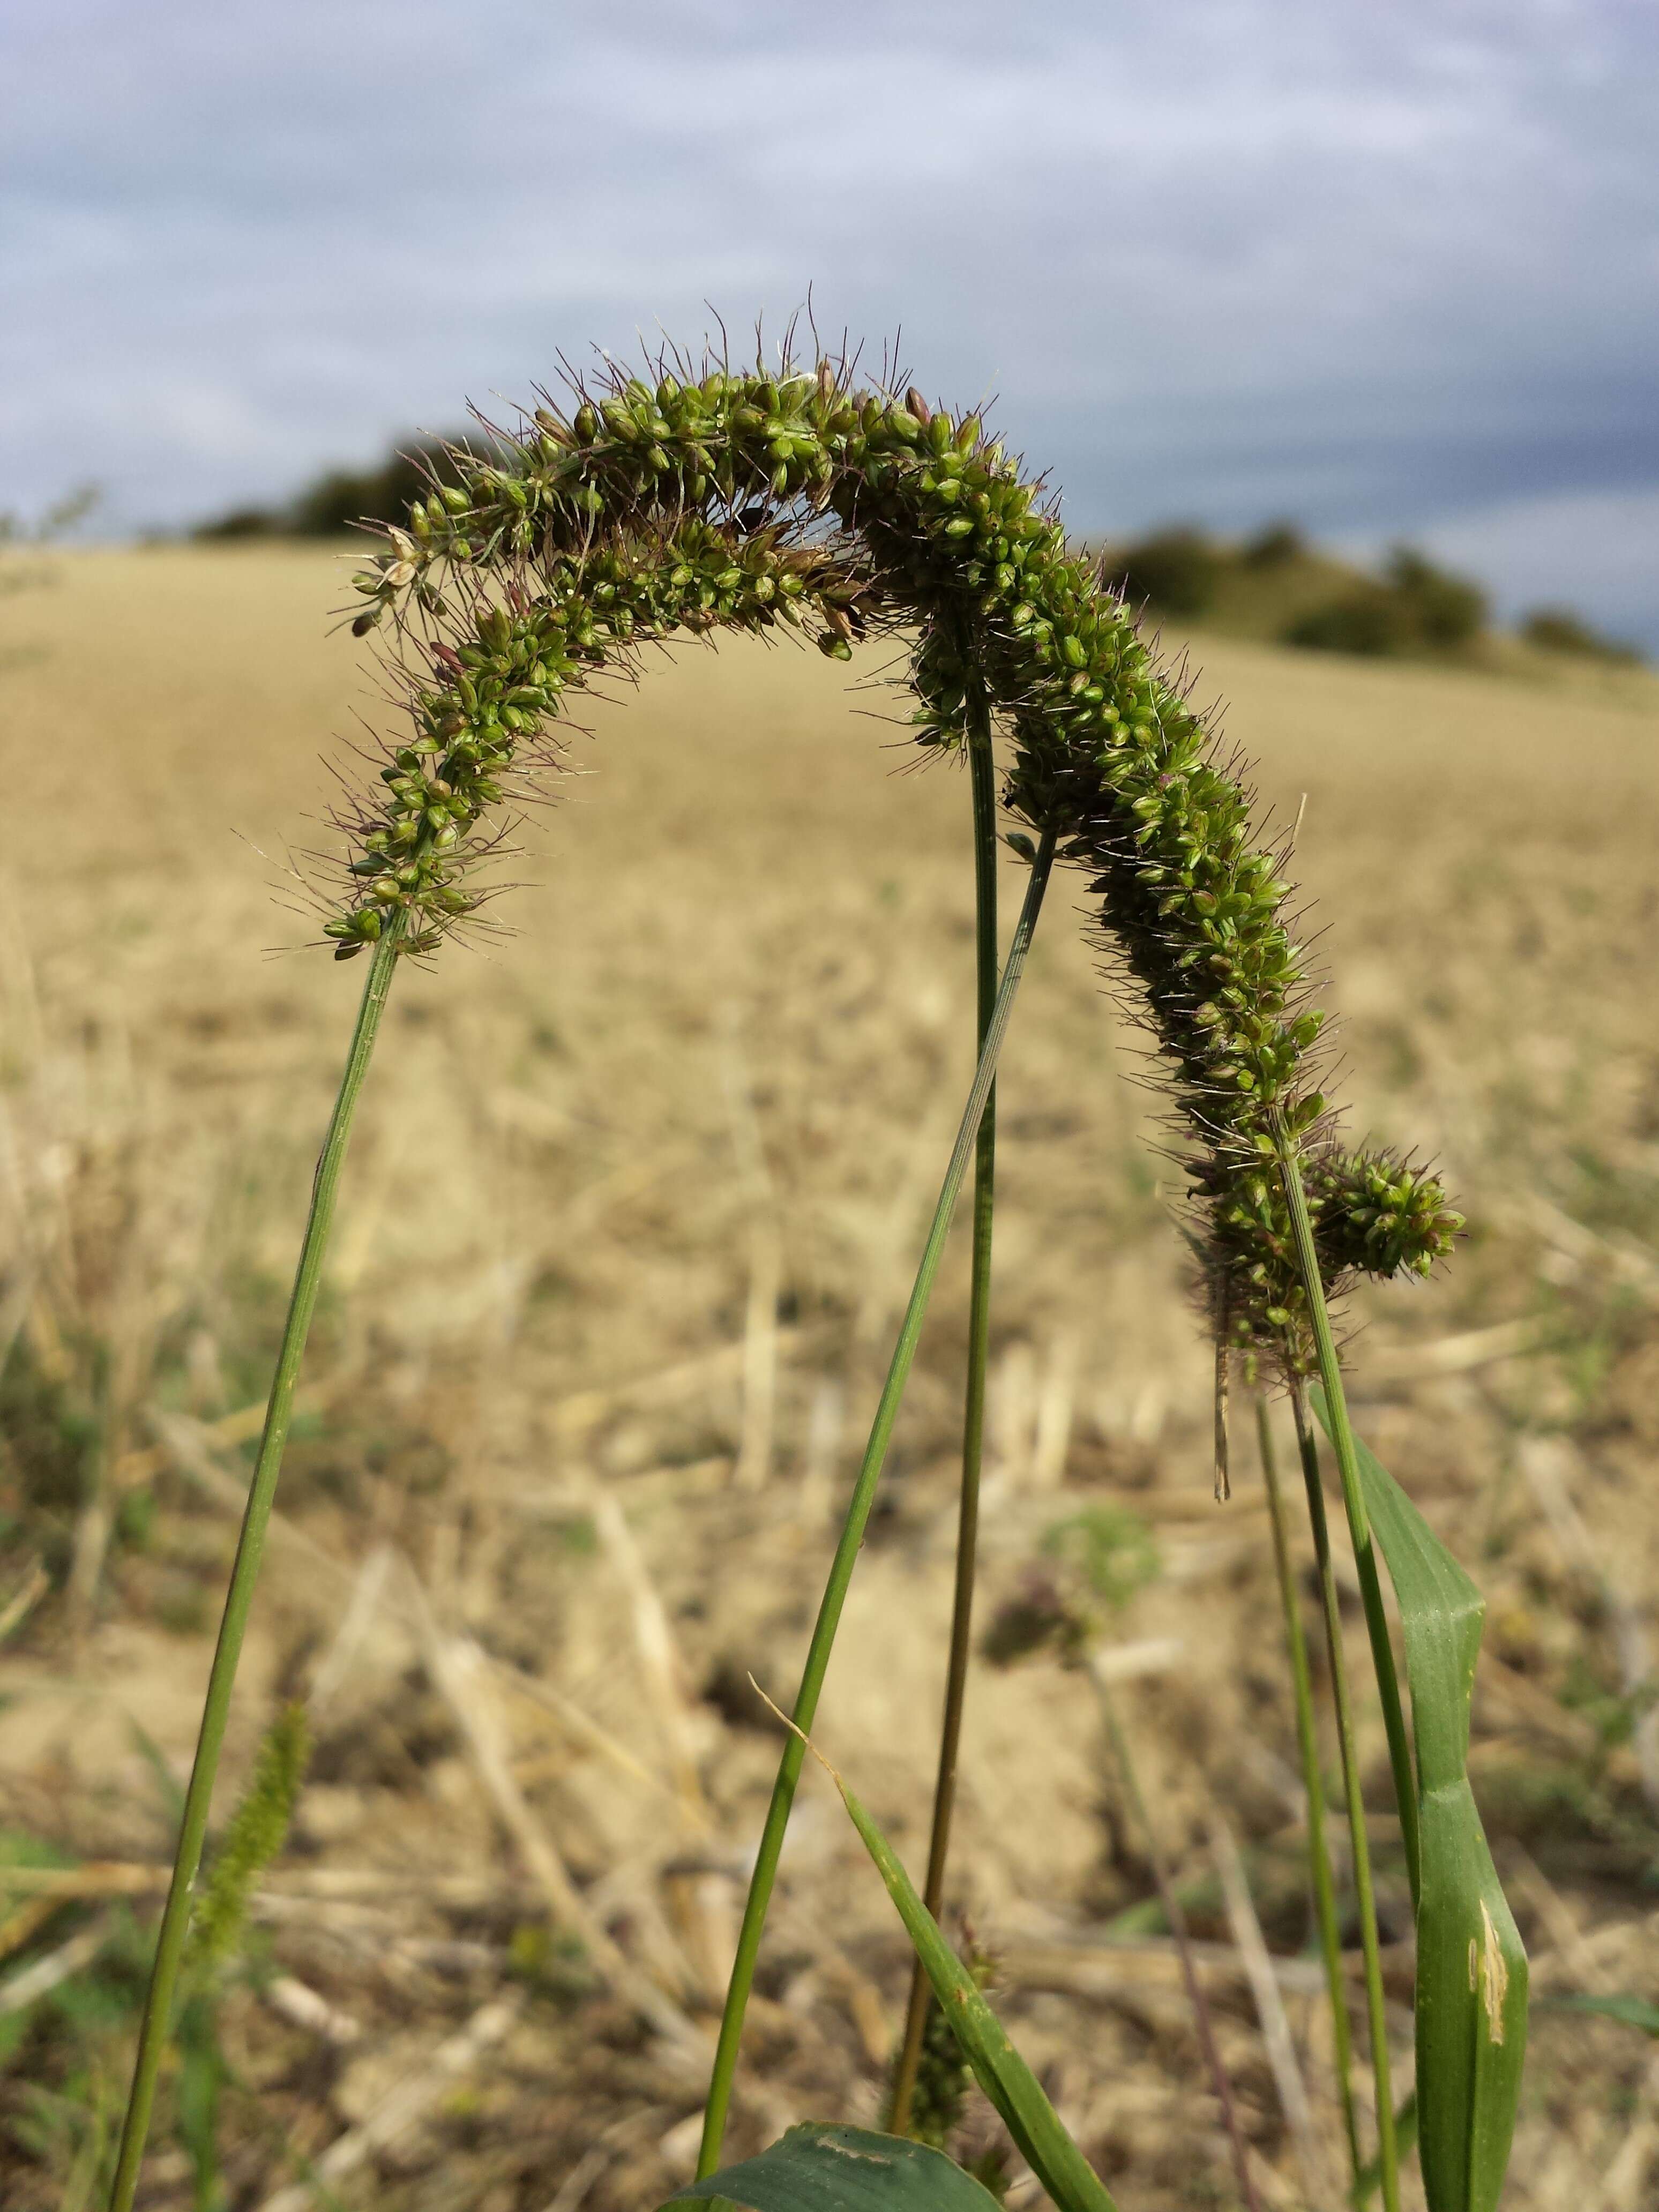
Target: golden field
(632, 1209)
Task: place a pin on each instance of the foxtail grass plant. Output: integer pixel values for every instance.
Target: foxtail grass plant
(794, 498)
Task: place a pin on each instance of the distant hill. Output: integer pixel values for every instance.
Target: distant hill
(1277, 585)
(1281, 587)
(336, 501)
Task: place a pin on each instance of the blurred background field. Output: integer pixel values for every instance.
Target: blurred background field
(633, 1203)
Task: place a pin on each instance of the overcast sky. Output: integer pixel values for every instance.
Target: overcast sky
(1388, 266)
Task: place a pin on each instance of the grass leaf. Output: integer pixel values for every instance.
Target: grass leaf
(1634, 2012)
(1007, 2080)
(1471, 1966)
(818, 2168)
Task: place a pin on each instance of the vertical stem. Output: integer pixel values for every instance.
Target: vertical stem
(852, 1535)
(1319, 1864)
(1364, 1896)
(981, 769)
(1174, 1912)
(244, 1574)
(1359, 1526)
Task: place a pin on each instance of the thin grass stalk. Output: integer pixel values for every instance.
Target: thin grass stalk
(154, 2027)
(973, 1420)
(852, 1535)
(1359, 1527)
(1313, 1784)
(1387, 2154)
(1174, 1913)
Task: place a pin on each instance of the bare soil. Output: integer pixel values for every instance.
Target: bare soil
(632, 1206)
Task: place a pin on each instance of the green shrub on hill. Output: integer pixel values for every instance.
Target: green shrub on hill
(1444, 610)
(1416, 608)
(1175, 571)
(1277, 585)
(1370, 619)
(1275, 545)
(1558, 629)
(336, 501)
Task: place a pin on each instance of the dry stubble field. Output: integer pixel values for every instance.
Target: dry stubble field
(633, 1206)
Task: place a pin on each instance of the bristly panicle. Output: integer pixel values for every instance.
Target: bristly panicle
(944, 2076)
(257, 1831)
(706, 498)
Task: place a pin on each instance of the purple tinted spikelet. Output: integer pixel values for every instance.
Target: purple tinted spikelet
(707, 498)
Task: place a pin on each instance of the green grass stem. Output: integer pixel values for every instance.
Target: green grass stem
(982, 772)
(154, 2027)
(1313, 1784)
(852, 1534)
(1388, 2156)
(1359, 1527)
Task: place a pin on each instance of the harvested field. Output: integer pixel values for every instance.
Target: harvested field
(631, 1212)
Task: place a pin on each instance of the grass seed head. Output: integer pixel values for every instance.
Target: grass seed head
(706, 497)
(257, 1831)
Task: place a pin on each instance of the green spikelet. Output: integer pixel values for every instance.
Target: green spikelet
(942, 2080)
(258, 1830)
(942, 2075)
(725, 499)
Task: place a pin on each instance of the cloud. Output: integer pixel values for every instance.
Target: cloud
(1381, 266)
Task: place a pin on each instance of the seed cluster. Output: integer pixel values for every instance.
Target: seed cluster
(719, 499)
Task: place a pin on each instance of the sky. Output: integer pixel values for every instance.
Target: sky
(1388, 266)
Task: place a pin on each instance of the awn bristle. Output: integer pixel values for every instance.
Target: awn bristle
(747, 500)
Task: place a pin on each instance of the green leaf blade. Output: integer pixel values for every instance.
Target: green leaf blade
(1471, 2010)
(823, 2168)
(1007, 2080)
(1441, 1611)
(1632, 2011)
(1471, 1963)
